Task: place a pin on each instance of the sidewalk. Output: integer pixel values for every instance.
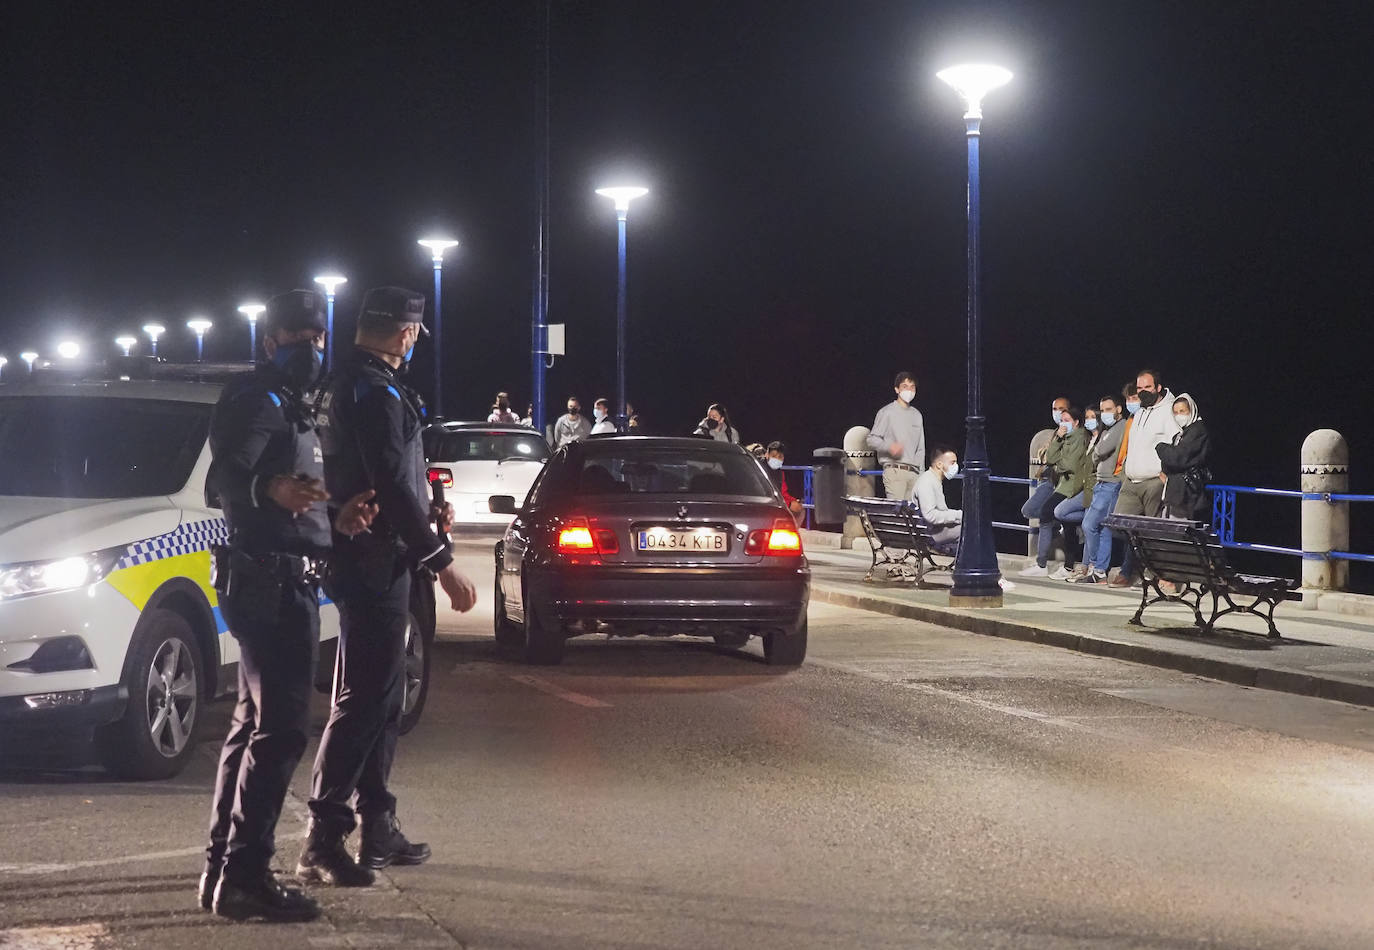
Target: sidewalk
(1323, 652)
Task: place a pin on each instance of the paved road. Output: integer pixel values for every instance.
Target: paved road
(911, 787)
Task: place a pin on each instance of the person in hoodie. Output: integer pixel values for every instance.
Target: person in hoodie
(1184, 463)
(1142, 490)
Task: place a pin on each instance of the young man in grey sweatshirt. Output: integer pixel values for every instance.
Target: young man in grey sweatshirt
(899, 435)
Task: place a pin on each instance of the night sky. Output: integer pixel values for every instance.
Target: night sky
(1182, 185)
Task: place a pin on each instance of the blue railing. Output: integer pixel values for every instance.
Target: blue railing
(1224, 520)
(808, 493)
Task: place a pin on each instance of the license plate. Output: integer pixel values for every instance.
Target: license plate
(683, 540)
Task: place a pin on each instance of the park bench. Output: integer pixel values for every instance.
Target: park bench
(899, 537)
(1188, 555)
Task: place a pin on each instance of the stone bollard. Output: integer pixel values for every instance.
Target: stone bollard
(1038, 445)
(858, 456)
(1325, 524)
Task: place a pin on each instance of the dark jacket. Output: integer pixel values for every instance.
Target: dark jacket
(1184, 461)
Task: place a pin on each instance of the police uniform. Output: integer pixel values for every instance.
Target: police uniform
(261, 429)
(370, 431)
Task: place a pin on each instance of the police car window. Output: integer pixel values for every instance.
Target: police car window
(472, 445)
(78, 447)
(671, 471)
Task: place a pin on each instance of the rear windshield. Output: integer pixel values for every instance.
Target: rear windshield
(94, 447)
(476, 445)
(672, 471)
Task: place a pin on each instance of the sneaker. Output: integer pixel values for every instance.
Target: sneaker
(1089, 577)
(1035, 570)
(205, 890)
(1005, 584)
(1060, 573)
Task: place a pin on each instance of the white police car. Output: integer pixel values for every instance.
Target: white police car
(108, 624)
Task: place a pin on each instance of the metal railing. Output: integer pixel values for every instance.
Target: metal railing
(1224, 520)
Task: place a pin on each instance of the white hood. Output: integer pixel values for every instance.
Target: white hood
(39, 529)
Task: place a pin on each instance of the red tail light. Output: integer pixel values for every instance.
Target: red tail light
(781, 540)
(578, 537)
(441, 475)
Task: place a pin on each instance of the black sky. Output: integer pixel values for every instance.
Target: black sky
(1184, 185)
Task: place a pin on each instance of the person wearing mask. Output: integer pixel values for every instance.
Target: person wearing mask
(1184, 463)
(946, 523)
(527, 419)
(501, 411)
(1097, 540)
(898, 436)
(775, 458)
(1069, 514)
(571, 427)
(1044, 485)
(601, 416)
(1067, 459)
(716, 425)
(1142, 489)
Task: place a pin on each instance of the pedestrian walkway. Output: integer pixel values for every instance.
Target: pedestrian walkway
(1322, 652)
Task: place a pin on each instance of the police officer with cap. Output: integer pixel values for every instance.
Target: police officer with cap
(267, 472)
(370, 432)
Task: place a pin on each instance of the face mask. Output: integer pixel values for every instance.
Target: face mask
(906, 395)
(598, 414)
(1068, 426)
(953, 470)
(1090, 424)
(1108, 418)
(1132, 407)
(299, 362)
(573, 410)
(775, 464)
(1147, 398)
(711, 424)
(1183, 418)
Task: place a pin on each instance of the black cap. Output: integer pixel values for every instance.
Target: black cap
(394, 303)
(295, 310)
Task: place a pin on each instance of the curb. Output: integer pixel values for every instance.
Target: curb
(1284, 681)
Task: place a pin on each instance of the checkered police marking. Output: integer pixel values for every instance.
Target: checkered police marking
(186, 539)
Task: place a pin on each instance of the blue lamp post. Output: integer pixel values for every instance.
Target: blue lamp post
(199, 326)
(252, 311)
(976, 574)
(154, 330)
(329, 282)
(437, 247)
(622, 196)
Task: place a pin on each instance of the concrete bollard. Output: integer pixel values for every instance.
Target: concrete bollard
(1325, 524)
(858, 456)
(1038, 444)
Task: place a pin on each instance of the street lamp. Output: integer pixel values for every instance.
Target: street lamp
(622, 196)
(252, 311)
(329, 282)
(154, 330)
(977, 579)
(3, 363)
(125, 343)
(30, 357)
(437, 247)
(69, 349)
(199, 326)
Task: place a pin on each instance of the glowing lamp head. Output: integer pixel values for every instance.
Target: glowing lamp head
(437, 247)
(973, 81)
(622, 195)
(3, 362)
(30, 357)
(329, 282)
(69, 349)
(125, 343)
(199, 325)
(154, 330)
(252, 311)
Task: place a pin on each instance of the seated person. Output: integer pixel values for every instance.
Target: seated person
(777, 453)
(945, 522)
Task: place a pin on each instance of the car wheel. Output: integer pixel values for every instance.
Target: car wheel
(786, 649)
(508, 633)
(419, 652)
(162, 674)
(544, 640)
(731, 640)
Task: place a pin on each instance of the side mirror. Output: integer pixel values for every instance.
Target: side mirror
(502, 504)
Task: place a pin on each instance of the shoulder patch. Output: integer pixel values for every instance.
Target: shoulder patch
(276, 400)
(395, 395)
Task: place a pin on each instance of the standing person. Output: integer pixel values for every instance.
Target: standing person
(632, 422)
(1097, 540)
(1044, 486)
(571, 427)
(1184, 463)
(1067, 459)
(268, 474)
(716, 425)
(1142, 489)
(775, 456)
(371, 440)
(501, 411)
(601, 413)
(930, 498)
(898, 436)
(527, 419)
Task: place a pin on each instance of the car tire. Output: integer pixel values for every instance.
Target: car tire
(508, 632)
(731, 641)
(155, 737)
(418, 663)
(544, 641)
(786, 649)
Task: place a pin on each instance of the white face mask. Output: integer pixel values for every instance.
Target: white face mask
(1183, 418)
(775, 463)
(906, 395)
(1108, 418)
(599, 413)
(1054, 414)
(952, 470)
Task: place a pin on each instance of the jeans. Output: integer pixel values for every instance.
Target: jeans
(1097, 540)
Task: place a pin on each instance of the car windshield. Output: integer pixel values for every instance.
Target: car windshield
(671, 471)
(80, 447)
(472, 445)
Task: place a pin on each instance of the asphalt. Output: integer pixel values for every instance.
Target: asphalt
(1325, 652)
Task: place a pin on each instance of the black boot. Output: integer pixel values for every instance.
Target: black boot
(206, 889)
(263, 898)
(384, 844)
(326, 861)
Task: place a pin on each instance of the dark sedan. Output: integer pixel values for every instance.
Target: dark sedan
(630, 535)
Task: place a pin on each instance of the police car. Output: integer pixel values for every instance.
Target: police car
(109, 625)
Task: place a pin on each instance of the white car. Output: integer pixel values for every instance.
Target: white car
(109, 626)
(475, 460)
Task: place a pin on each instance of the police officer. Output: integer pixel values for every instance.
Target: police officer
(267, 471)
(370, 433)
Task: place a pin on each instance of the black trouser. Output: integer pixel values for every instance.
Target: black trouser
(359, 741)
(266, 736)
(1048, 522)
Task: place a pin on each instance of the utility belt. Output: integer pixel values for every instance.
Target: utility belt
(250, 586)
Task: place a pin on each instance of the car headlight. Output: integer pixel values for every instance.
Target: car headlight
(28, 578)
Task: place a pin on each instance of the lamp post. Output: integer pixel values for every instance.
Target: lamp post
(437, 247)
(30, 357)
(3, 363)
(154, 330)
(976, 574)
(199, 326)
(329, 282)
(622, 196)
(125, 343)
(252, 311)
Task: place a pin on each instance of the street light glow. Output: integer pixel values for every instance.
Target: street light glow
(329, 282)
(154, 330)
(125, 343)
(199, 324)
(252, 311)
(69, 349)
(30, 357)
(437, 246)
(973, 81)
(622, 195)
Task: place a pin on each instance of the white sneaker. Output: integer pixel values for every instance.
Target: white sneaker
(1035, 570)
(1060, 573)
(1005, 584)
